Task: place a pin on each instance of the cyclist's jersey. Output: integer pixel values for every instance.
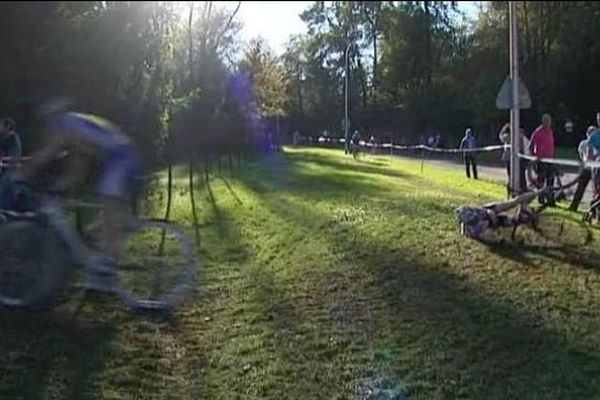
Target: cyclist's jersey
(98, 138)
(90, 129)
(355, 139)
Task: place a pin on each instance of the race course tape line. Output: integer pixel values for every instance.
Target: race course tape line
(555, 161)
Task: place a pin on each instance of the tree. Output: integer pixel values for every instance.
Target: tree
(266, 75)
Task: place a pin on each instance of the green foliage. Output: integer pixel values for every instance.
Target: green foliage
(266, 76)
(419, 68)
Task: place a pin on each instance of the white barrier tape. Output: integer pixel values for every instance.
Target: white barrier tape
(436, 150)
(555, 161)
(563, 161)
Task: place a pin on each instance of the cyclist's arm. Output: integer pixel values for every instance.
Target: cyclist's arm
(54, 148)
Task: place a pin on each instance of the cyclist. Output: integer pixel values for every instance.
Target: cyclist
(90, 141)
(476, 222)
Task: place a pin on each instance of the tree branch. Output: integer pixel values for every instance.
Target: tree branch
(227, 25)
(191, 43)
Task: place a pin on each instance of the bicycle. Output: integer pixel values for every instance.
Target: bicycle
(43, 240)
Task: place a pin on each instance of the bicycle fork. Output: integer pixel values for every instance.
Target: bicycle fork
(80, 253)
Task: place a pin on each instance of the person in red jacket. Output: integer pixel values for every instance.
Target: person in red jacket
(542, 146)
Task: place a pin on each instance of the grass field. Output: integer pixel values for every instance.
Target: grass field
(324, 277)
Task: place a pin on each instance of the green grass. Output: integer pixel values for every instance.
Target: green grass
(324, 277)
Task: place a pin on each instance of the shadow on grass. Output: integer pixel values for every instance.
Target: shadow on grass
(508, 250)
(470, 344)
(227, 232)
(449, 338)
(231, 191)
(44, 355)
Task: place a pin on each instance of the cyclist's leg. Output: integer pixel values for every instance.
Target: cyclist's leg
(115, 217)
(115, 188)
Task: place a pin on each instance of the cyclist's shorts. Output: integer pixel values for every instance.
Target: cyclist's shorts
(121, 166)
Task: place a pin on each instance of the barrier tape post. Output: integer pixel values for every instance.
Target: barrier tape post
(422, 159)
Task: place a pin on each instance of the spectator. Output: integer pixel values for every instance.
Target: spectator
(542, 146)
(504, 137)
(586, 153)
(440, 141)
(431, 141)
(296, 138)
(10, 146)
(469, 142)
(10, 142)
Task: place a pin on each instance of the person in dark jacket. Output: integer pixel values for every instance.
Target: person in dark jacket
(469, 142)
(10, 152)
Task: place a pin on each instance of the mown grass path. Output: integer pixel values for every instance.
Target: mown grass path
(325, 277)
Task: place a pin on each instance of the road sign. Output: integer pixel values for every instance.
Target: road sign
(504, 98)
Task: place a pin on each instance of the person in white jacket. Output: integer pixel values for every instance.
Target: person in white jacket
(504, 136)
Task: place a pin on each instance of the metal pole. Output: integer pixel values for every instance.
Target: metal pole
(514, 111)
(346, 131)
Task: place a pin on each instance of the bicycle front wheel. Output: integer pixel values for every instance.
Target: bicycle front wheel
(33, 265)
(156, 265)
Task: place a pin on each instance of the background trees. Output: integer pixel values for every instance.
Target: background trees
(416, 67)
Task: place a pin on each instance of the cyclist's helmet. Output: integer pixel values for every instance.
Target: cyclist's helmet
(474, 221)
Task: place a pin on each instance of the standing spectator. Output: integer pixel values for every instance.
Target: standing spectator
(469, 142)
(10, 142)
(586, 153)
(373, 143)
(10, 149)
(440, 141)
(431, 141)
(296, 138)
(523, 148)
(542, 146)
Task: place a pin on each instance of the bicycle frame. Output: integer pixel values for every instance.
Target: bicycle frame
(52, 210)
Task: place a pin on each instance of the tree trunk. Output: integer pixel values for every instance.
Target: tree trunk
(300, 100)
(193, 199)
(191, 43)
(168, 209)
(527, 35)
(206, 168)
(374, 59)
(363, 85)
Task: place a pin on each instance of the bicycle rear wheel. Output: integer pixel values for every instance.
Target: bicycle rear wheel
(552, 228)
(33, 267)
(155, 266)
